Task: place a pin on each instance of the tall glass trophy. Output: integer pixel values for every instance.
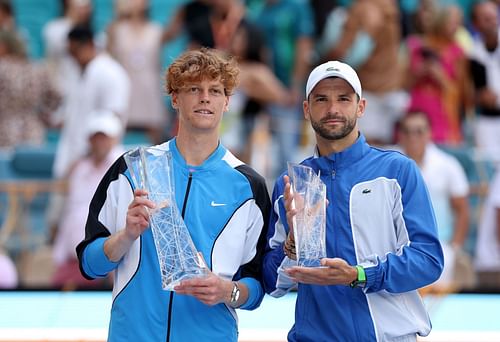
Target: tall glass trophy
(151, 169)
(309, 200)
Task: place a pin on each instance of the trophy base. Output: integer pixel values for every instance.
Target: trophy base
(174, 280)
(310, 263)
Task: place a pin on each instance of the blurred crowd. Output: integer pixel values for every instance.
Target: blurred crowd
(430, 72)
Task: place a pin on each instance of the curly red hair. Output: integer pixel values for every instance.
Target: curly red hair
(202, 64)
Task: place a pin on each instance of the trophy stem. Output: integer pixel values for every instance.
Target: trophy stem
(151, 169)
(309, 201)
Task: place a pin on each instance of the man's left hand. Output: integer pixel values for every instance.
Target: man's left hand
(335, 271)
(210, 290)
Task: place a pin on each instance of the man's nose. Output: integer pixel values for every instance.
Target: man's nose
(333, 108)
(204, 96)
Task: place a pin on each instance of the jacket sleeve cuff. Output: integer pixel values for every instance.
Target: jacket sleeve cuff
(255, 293)
(95, 262)
(284, 283)
(372, 278)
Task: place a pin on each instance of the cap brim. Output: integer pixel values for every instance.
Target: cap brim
(328, 75)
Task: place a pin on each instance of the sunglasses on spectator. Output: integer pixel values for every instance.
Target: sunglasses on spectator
(414, 131)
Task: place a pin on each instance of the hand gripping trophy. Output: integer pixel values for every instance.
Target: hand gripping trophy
(309, 200)
(151, 169)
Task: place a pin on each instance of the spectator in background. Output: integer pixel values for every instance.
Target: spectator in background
(333, 30)
(104, 131)
(225, 18)
(8, 272)
(423, 18)
(437, 76)
(370, 39)
(448, 188)
(103, 84)
(485, 70)
(27, 95)
(208, 23)
(258, 87)
(63, 67)
(193, 18)
(135, 42)
(7, 21)
(288, 26)
(321, 11)
(487, 258)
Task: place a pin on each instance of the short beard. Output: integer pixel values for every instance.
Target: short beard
(330, 134)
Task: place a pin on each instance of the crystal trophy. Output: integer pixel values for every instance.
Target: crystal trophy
(151, 169)
(309, 200)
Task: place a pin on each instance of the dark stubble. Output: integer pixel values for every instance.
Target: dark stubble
(336, 133)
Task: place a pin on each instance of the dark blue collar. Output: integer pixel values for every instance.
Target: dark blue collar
(348, 156)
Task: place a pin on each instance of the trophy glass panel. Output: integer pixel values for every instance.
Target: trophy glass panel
(309, 199)
(151, 169)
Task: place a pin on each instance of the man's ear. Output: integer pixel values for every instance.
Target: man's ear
(361, 108)
(226, 105)
(174, 100)
(305, 109)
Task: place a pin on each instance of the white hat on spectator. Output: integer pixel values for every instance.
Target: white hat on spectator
(333, 69)
(81, 2)
(104, 121)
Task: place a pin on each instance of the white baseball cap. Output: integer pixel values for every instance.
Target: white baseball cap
(104, 121)
(81, 2)
(333, 69)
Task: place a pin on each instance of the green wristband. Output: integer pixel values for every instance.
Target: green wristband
(361, 273)
(361, 279)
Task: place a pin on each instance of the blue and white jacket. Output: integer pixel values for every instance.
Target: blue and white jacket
(379, 216)
(230, 235)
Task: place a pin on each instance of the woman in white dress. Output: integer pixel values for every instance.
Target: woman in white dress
(136, 43)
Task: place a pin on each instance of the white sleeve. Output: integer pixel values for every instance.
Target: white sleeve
(116, 90)
(459, 185)
(494, 192)
(284, 283)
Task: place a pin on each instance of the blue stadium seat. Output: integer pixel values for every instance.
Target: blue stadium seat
(26, 184)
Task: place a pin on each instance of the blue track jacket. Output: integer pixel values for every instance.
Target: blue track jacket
(225, 205)
(379, 216)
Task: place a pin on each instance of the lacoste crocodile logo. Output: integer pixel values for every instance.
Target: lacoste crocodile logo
(213, 204)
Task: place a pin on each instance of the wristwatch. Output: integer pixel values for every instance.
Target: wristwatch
(360, 279)
(235, 293)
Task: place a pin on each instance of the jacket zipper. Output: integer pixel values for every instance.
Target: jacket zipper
(333, 176)
(170, 305)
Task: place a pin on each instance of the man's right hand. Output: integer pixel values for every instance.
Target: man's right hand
(138, 215)
(289, 246)
(137, 221)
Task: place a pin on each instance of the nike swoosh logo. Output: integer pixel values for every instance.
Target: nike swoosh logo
(213, 204)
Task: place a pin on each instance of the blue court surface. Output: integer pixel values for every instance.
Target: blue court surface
(84, 316)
